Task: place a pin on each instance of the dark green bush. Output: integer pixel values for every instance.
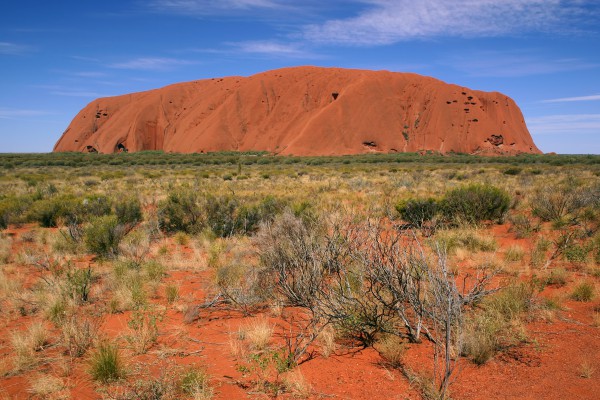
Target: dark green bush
(417, 211)
(47, 212)
(181, 211)
(12, 210)
(103, 235)
(221, 215)
(475, 203)
(129, 211)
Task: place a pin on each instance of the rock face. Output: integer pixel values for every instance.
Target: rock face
(304, 111)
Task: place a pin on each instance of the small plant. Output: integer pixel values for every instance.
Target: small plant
(144, 330)
(259, 333)
(106, 363)
(392, 349)
(195, 382)
(586, 370)
(27, 344)
(171, 293)
(557, 277)
(584, 291)
(514, 253)
(522, 226)
(78, 334)
(182, 238)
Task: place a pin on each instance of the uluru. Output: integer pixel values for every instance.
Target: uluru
(304, 111)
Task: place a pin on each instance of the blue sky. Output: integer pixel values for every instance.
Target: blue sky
(55, 57)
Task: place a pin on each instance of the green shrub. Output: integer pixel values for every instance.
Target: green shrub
(78, 284)
(47, 212)
(584, 291)
(417, 211)
(181, 211)
(475, 203)
(555, 202)
(106, 364)
(512, 171)
(103, 235)
(195, 382)
(522, 226)
(576, 254)
(129, 211)
(221, 215)
(557, 277)
(12, 210)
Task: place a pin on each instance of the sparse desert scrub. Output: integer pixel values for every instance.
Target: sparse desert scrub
(557, 277)
(522, 225)
(327, 241)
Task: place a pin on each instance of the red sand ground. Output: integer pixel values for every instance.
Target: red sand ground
(547, 366)
(304, 111)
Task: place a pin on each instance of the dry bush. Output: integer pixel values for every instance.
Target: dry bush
(135, 247)
(586, 369)
(259, 333)
(26, 345)
(557, 277)
(5, 248)
(143, 329)
(295, 383)
(514, 253)
(499, 323)
(78, 334)
(327, 339)
(47, 387)
(195, 382)
(465, 238)
(392, 349)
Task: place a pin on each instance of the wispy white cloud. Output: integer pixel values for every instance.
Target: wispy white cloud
(19, 113)
(90, 74)
(9, 48)
(593, 97)
(510, 64)
(272, 48)
(152, 63)
(68, 91)
(77, 93)
(564, 124)
(211, 7)
(390, 21)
